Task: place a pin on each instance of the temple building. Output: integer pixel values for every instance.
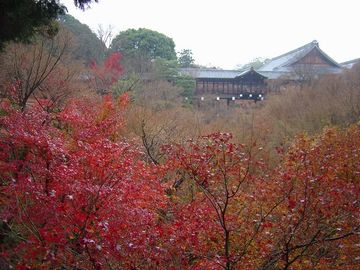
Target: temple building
(229, 83)
(297, 65)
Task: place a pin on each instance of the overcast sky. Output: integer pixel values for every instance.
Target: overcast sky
(231, 32)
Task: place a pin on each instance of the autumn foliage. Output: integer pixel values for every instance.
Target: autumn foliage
(301, 215)
(75, 194)
(106, 74)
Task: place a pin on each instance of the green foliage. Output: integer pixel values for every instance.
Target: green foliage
(169, 70)
(187, 83)
(186, 58)
(144, 42)
(82, 4)
(21, 19)
(166, 69)
(87, 45)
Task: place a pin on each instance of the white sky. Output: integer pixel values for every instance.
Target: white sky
(231, 32)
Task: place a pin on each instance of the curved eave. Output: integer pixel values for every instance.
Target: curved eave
(250, 71)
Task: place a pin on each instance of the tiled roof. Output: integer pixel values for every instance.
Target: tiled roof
(280, 66)
(210, 73)
(276, 74)
(282, 63)
(200, 73)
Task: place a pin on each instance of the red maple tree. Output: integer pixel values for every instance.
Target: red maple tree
(104, 75)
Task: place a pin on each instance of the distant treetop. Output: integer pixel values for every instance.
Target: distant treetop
(256, 63)
(145, 42)
(186, 58)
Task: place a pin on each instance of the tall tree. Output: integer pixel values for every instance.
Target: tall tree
(144, 42)
(21, 19)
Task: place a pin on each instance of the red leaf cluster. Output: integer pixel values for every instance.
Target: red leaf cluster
(105, 75)
(73, 194)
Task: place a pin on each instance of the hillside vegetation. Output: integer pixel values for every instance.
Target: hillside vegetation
(105, 165)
